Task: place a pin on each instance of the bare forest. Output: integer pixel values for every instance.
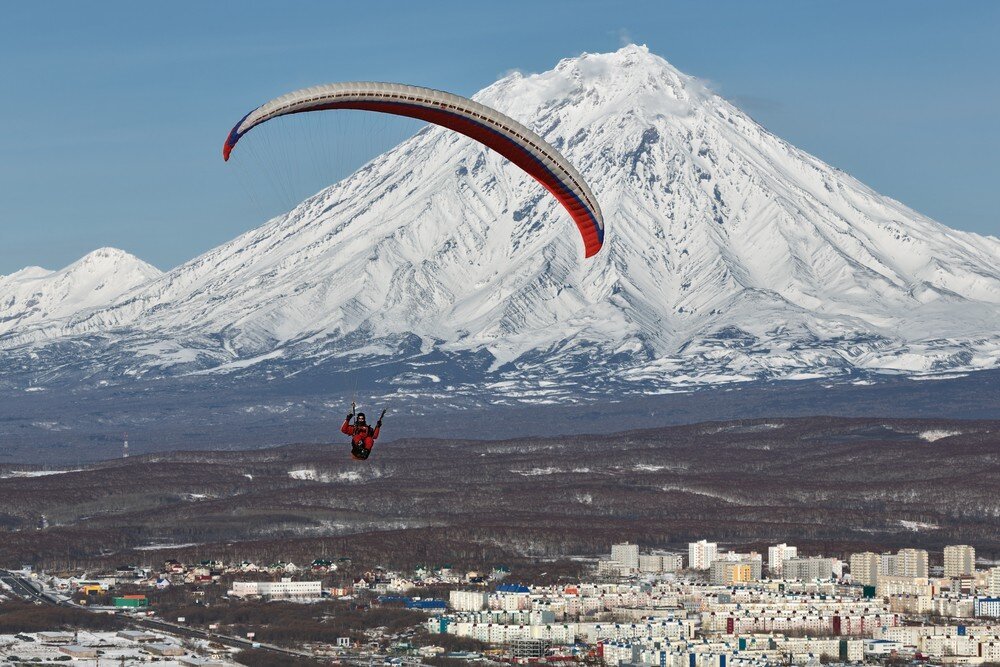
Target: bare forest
(831, 485)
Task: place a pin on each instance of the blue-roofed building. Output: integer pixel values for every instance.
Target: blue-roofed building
(513, 588)
(429, 604)
(988, 607)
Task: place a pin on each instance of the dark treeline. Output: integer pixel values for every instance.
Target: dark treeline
(16, 616)
(256, 657)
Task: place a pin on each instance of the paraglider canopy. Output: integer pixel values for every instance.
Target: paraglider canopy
(488, 126)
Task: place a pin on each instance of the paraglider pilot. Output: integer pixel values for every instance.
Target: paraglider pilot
(363, 436)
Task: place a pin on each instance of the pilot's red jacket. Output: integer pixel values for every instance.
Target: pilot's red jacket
(360, 435)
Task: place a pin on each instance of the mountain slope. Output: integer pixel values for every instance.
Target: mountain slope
(730, 255)
(37, 296)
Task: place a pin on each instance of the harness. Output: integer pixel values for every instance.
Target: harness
(358, 449)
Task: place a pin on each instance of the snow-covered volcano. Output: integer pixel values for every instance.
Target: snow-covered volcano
(38, 296)
(730, 255)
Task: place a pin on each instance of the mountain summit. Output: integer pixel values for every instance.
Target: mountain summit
(38, 296)
(730, 255)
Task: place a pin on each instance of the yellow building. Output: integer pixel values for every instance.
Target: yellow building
(728, 573)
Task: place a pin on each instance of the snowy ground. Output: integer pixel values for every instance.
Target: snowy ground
(114, 650)
(35, 473)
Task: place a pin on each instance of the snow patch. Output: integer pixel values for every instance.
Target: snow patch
(534, 472)
(37, 473)
(166, 545)
(934, 435)
(917, 526)
(345, 476)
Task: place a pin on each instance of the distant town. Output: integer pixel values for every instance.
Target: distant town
(708, 607)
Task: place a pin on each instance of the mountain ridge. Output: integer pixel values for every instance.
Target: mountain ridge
(730, 256)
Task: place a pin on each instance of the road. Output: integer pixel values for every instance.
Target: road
(24, 589)
(195, 633)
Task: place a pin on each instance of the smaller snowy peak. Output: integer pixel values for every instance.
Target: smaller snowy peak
(111, 260)
(35, 295)
(27, 273)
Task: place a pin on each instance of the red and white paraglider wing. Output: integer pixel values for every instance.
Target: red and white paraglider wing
(488, 126)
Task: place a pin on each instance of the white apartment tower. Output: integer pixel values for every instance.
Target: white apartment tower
(994, 582)
(673, 562)
(904, 563)
(808, 569)
(912, 563)
(661, 562)
(959, 560)
(626, 554)
(777, 555)
(701, 554)
(736, 557)
(888, 565)
(865, 568)
(468, 600)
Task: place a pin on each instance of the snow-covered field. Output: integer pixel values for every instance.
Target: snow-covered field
(114, 650)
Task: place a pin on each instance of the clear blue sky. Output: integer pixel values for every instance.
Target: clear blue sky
(113, 113)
